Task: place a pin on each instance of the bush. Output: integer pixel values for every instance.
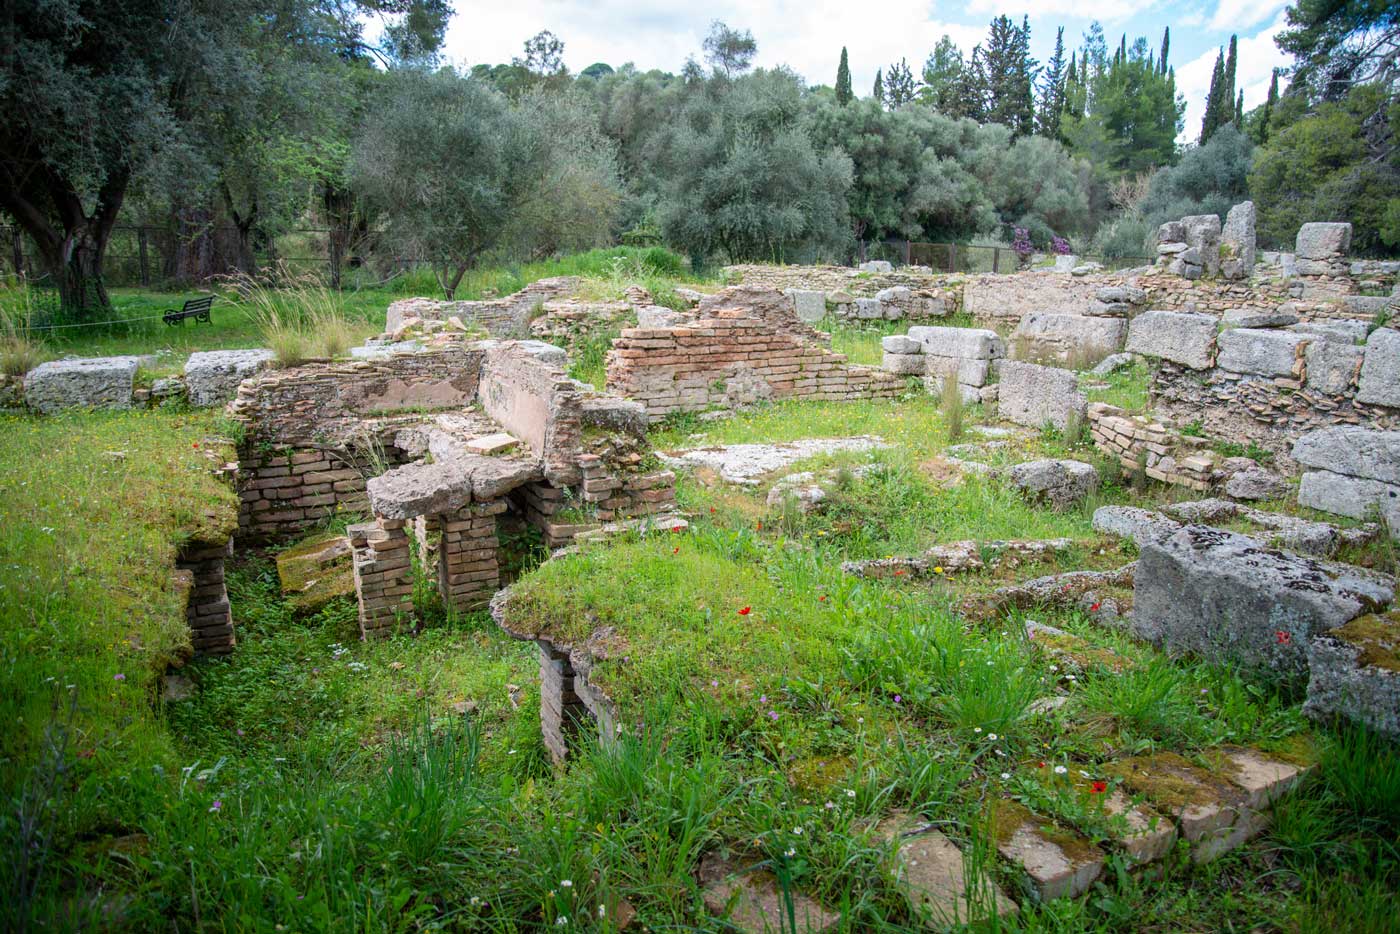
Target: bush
(660, 261)
(1125, 235)
(298, 319)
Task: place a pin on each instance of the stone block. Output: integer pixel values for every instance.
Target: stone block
(929, 868)
(1211, 811)
(1237, 240)
(1354, 497)
(904, 364)
(899, 344)
(90, 382)
(1350, 332)
(972, 373)
(1183, 338)
(1260, 317)
(1255, 483)
(213, 376)
(419, 490)
(876, 265)
(1203, 234)
(1083, 338)
(1145, 835)
(1058, 862)
(1221, 595)
(492, 444)
(869, 309)
(810, 304)
(752, 902)
(1354, 672)
(972, 343)
(1259, 352)
(1137, 525)
(1323, 241)
(1352, 450)
(1061, 483)
(1033, 395)
(1380, 369)
(1332, 366)
(1370, 305)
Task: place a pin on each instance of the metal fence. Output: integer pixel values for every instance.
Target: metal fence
(975, 258)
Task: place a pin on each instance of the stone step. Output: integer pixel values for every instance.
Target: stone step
(930, 869)
(753, 902)
(1059, 863)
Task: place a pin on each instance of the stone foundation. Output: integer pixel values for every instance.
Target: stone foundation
(468, 569)
(1136, 441)
(283, 493)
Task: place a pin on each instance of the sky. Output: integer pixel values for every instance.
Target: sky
(807, 36)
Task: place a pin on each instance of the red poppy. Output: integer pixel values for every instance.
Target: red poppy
(1040, 764)
(675, 528)
(1095, 607)
(712, 509)
(822, 598)
(760, 525)
(899, 572)
(1099, 788)
(745, 611)
(676, 550)
(1284, 637)
(195, 445)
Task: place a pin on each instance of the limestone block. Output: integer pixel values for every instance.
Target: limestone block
(1354, 672)
(1332, 366)
(968, 372)
(549, 353)
(91, 382)
(1061, 483)
(1238, 239)
(213, 376)
(1260, 317)
(1352, 450)
(899, 344)
(1220, 595)
(1350, 332)
(1380, 370)
(1203, 234)
(1064, 336)
(1323, 240)
(904, 364)
(1355, 497)
(1033, 395)
(1183, 338)
(1059, 863)
(656, 316)
(1370, 305)
(810, 304)
(1259, 352)
(876, 265)
(929, 868)
(1140, 526)
(754, 904)
(419, 490)
(869, 309)
(1255, 483)
(973, 343)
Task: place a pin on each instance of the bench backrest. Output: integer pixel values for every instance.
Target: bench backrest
(199, 304)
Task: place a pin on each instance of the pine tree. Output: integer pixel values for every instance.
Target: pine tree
(972, 87)
(1166, 46)
(899, 84)
(943, 78)
(1052, 93)
(878, 92)
(843, 80)
(1010, 74)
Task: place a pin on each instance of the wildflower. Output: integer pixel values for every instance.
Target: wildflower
(712, 509)
(763, 698)
(977, 729)
(991, 736)
(791, 852)
(216, 807)
(195, 445)
(898, 699)
(675, 528)
(899, 572)
(760, 525)
(476, 900)
(714, 684)
(1060, 770)
(1040, 764)
(119, 677)
(602, 911)
(772, 715)
(829, 805)
(938, 569)
(1095, 607)
(567, 883)
(239, 731)
(797, 830)
(850, 792)
(745, 611)
(1283, 637)
(676, 550)
(1098, 788)
(1005, 776)
(822, 598)
(561, 921)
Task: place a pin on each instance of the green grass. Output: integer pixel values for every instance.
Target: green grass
(315, 782)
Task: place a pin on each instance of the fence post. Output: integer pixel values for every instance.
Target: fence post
(17, 251)
(996, 259)
(145, 267)
(952, 257)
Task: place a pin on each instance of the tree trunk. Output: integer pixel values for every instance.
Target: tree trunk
(81, 290)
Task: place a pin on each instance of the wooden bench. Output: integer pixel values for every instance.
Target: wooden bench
(196, 308)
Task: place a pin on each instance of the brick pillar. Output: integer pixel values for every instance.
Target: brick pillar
(383, 574)
(468, 571)
(561, 710)
(208, 612)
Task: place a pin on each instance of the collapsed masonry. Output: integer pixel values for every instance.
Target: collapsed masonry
(440, 446)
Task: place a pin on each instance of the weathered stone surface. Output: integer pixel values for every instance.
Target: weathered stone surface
(1061, 483)
(1112, 363)
(419, 490)
(1370, 304)
(497, 443)
(1332, 366)
(753, 903)
(971, 343)
(1059, 862)
(1220, 595)
(876, 265)
(1203, 234)
(1237, 241)
(810, 304)
(1183, 338)
(546, 352)
(1211, 811)
(1350, 332)
(905, 364)
(1034, 395)
(1259, 352)
(1263, 779)
(1323, 241)
(1145, 835)
(315, 572)
(614, 414)
(1255, 484)
(967, 372)
(929, 867)
(1351, 450)
(1138, 525)
(1355, 497)
(90, 382)
(1082, 338)
(1354, 672)
(745, 463)
(899, 344)
(658, 316)
(1380, 370)
(802, 489)
(213, 376)
(1259, 317)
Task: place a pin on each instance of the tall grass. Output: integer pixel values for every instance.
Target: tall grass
(950, 402)
(298, 318)
(20, 351)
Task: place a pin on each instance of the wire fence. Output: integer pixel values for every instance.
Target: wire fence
(976, 258)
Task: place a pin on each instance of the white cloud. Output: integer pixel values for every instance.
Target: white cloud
(1257, 57)
(1234, 15)
(1105, 11)
(807, 36)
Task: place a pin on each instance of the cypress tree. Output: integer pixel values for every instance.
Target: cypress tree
(1211, 121)
(1239, 110)
(843, 80)
(878, 92)
(1261, 129)
(1166, 45)
(1052, 93)
(1227, 97)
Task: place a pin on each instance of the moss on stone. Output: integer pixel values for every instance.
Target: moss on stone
(1009, 816)
(311, 580)
(1377, 635)
(1169, 780)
